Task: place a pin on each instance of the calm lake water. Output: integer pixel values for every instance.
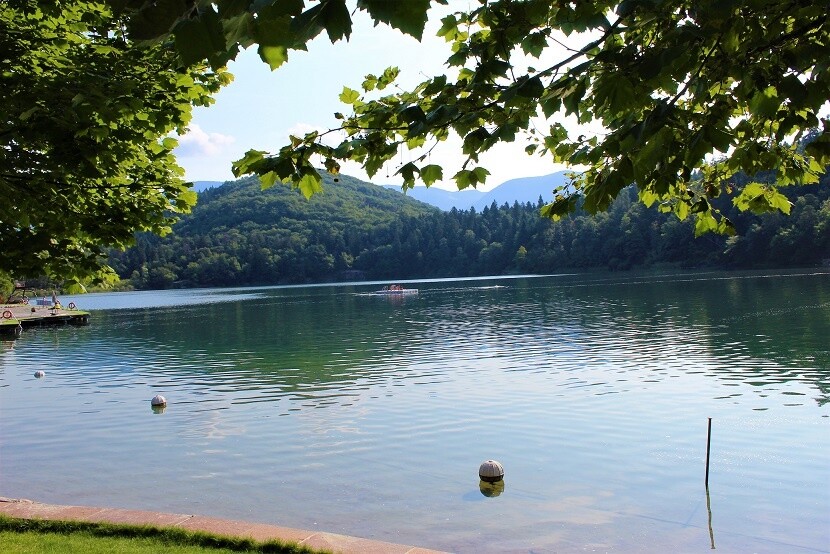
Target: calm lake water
(326, 408)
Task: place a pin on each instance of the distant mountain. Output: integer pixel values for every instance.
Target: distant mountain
(200, 186)
(522, 190)
(445, 200)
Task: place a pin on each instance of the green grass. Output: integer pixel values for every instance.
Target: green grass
(46, 536)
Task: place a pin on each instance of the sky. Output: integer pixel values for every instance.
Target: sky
(261, 108)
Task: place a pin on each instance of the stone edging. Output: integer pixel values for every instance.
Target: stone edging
(28, 509)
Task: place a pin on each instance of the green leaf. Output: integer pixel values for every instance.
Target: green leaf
(480, 174)
(200, 38)
(431, 174)
(550, 106)
(243, 165)
(560, 207)
(349, 96)
(720, 139)
(462, 179)
(411, 114)
(681, 210)
(272, 32)
(474, 141)
(336, 19)
(388, 77)
(332, 166)
(239, 29)
(186, 200)
(765, 103)
(369, 83)
(408, 171)
(750, 193)
(267, 180)
(310, 183)
(534, 43)
(307, 25)
(154, 19)
(230, 8)
(436, 85)
(274, 56)
(705, 223)
(408, 16)
(779, 201)
(279, 8)
(531, 88)
(648, 197)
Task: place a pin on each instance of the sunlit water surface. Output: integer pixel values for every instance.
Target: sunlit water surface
(326, 408)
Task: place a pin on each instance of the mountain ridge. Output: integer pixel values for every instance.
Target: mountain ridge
(520, 189)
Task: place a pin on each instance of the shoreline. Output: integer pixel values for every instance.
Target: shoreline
(29, 509)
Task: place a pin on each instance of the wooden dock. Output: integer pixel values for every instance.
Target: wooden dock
(14, 317)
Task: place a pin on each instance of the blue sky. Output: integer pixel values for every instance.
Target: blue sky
(261, 108)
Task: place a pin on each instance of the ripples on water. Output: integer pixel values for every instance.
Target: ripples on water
(324, 408)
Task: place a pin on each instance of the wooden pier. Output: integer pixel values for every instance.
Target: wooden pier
(14, 317)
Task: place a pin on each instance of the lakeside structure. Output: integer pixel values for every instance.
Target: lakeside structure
(14, 317)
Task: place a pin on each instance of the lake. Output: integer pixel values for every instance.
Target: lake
(323, 407)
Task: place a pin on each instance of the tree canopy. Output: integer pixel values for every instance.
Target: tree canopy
(688, 93)
(85, 160)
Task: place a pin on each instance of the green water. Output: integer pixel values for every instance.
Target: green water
(327, 408)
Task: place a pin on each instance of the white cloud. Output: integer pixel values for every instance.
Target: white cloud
(199, 143)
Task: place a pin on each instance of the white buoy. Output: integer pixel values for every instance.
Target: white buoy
(491, 471)
(39, 373)
(158, 400)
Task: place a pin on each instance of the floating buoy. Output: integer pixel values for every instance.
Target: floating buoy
(491, 471)
(158, 400)
(40, 373)
(72, 306)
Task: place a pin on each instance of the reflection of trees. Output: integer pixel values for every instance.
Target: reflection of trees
(300, 340)
(318, 342)
(772, 317)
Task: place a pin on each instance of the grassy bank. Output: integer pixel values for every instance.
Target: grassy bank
(46, 536)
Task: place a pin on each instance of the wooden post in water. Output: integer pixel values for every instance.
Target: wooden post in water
(708, 445)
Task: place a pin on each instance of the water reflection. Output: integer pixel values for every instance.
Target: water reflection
(709, 512)
(593, 389)
(321, 347)
(489, 489)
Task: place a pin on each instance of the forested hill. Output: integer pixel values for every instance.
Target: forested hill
(241, 235)
(348, 204)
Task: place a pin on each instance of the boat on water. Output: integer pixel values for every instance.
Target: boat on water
(395, 290)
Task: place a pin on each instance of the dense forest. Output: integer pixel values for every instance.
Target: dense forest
(241, 235)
